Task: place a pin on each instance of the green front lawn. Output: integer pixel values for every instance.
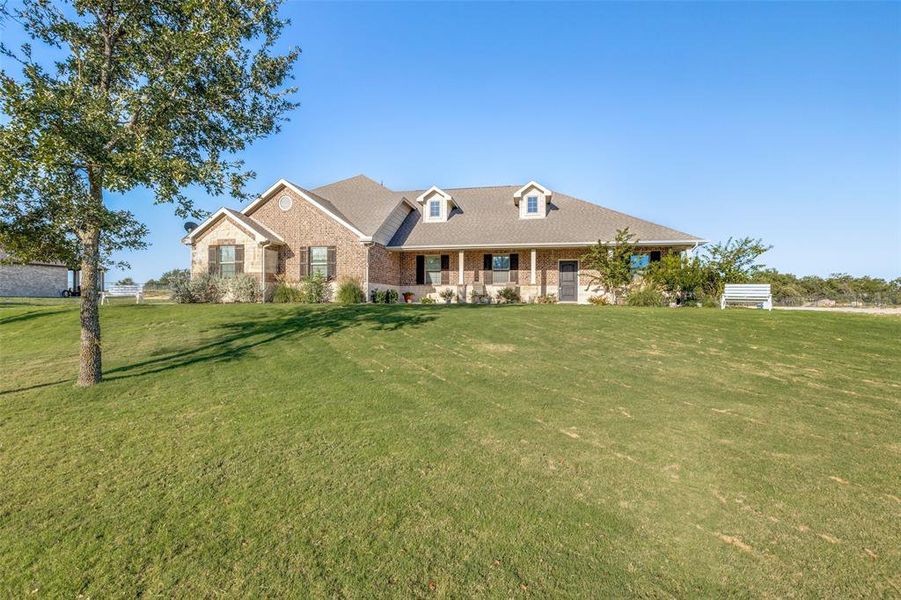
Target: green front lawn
(456, 451)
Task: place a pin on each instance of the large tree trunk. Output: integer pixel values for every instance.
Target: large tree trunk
(90, 370)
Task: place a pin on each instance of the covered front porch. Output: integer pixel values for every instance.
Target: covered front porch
(475, 273)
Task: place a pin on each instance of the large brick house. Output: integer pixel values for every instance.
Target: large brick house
(422, 241)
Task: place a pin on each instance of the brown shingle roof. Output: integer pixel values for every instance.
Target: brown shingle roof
(487, 215)
(360, 201)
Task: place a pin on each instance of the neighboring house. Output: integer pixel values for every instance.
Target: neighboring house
(422, 241)
(32, 280)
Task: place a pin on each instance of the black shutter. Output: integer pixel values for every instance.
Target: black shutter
(655, 255)
(486, 266)
(332, 262)
(303, 260)
(445, 269)
(514, 268)
(239, 260)
(420, 269)
(213, 260)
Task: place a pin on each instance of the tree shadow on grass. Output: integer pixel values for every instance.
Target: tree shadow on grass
(27, 316)
(237, 338)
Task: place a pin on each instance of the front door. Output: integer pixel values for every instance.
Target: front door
(569, 281)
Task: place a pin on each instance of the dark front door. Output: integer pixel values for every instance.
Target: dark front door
(569, 281)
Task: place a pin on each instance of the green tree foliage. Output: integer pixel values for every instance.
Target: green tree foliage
(126, 281)
(684, 277)
(161, 95)
(840, 287)
(733, 261)
(610, 263)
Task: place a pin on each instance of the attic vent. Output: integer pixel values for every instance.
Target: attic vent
(285, 202)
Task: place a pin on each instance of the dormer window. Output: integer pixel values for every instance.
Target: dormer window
(533, 200)
(436, 205)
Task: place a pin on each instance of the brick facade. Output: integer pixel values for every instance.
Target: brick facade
(305, 225)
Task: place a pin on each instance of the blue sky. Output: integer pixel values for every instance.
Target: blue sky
(772, 120)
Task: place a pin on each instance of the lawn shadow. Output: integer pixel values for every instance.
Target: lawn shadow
(27, 316)
(238, 338)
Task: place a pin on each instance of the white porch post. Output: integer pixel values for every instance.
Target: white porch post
(532, 278)
(460, 267)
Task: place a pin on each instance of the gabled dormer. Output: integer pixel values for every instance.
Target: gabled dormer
(533, 200)
(436, 205)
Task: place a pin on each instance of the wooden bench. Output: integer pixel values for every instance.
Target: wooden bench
(122, 291)
(758, 294)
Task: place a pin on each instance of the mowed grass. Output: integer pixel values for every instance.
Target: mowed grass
(402, 451)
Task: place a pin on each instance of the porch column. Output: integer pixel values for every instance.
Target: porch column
(532, 278)
(460, 265)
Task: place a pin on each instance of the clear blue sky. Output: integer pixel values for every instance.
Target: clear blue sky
(773, 120)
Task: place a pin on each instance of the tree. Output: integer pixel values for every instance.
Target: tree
(160, 95)
(734, 261)
(173, 275)
(682, 276)
(126, 281)
(611, 262)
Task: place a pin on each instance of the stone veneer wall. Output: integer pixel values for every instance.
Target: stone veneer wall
(33, 281)
(224, 232)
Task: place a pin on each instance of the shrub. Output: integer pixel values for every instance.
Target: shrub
(475, 297)
(207, 288)
(647, 296)
(391, 296)
(285, 293)
(183, 291)
(426, 300)
(599, 300)
(315, 289)
(350, 292)
(242, 288)
(547, 299)
(683, 277)
(447, 295)
(508, 295)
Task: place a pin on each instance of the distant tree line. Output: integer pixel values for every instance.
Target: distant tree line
(699, 278)
(841, 288)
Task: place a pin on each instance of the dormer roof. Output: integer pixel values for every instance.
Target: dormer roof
(532, 185)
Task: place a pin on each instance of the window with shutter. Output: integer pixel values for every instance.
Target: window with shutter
(319, 260)
(445, 269)
(433, 269)
(213, 260)
(486, 267)
(500, 268)
(332, 262)
(420, 269)
(239, 260)
(303, 262)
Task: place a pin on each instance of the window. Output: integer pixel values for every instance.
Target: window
(227, 261)
(639, 261)
(435, 209)
(433, 270)
(319, 260)
(500, 267)
(532, 205)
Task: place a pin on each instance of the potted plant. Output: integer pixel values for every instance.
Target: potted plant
(408, 297)
(447, 295)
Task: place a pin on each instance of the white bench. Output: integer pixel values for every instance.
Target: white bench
(122, 291)
(758, 294)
